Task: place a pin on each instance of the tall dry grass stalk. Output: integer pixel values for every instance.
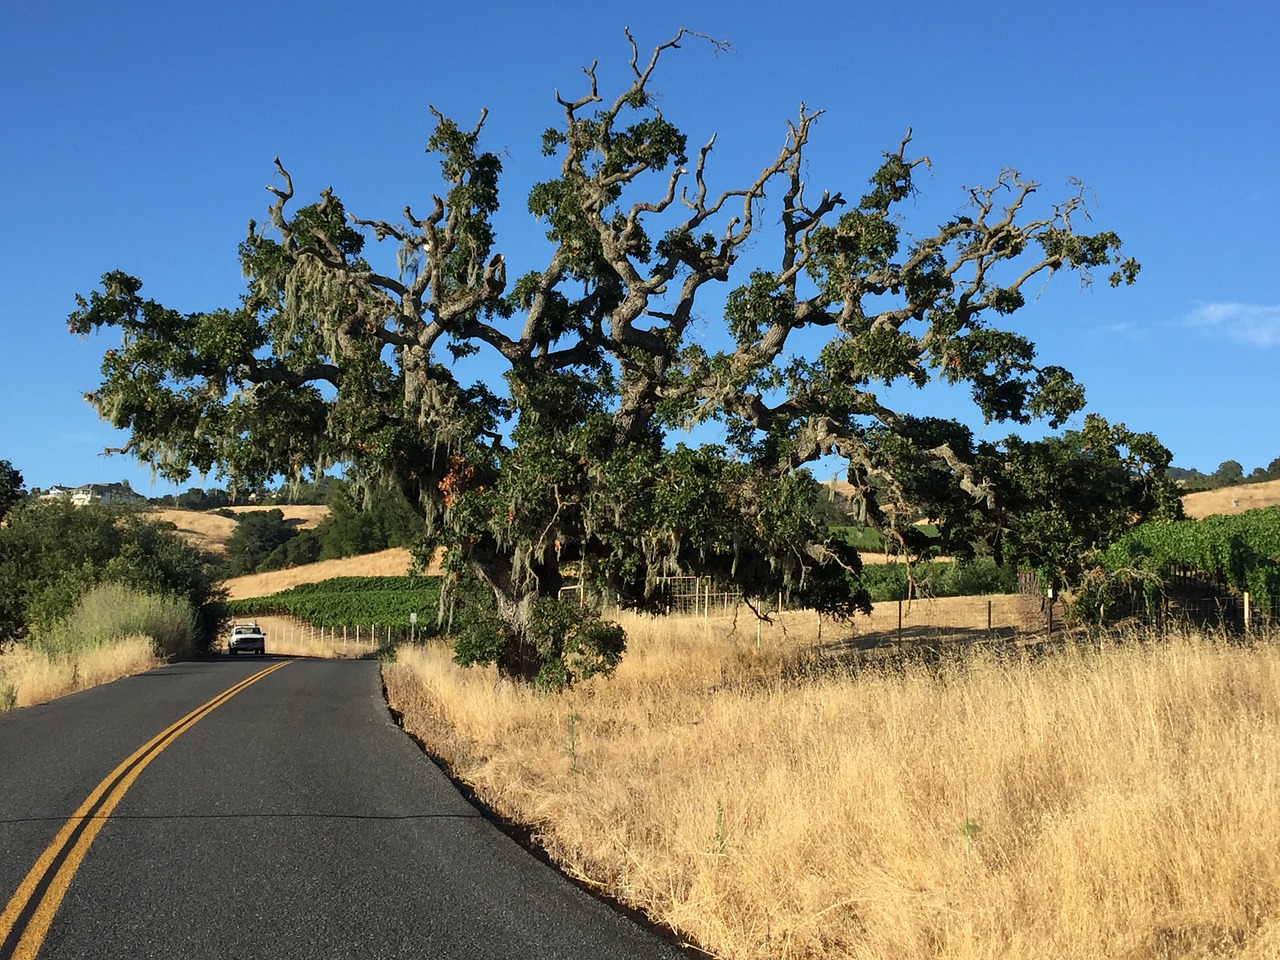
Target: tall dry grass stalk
(28, 676)
(112, 611)
(1122, 801)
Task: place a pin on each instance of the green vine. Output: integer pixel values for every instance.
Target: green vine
(1242, 551)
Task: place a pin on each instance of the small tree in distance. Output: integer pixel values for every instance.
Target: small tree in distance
(569, 464)
(12, 487)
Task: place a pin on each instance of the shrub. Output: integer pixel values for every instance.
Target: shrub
(897, 581)
(112, 611)
(979, 577)
(53, 553)
(570, 642)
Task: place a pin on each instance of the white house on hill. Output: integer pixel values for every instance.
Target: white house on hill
(112, 493)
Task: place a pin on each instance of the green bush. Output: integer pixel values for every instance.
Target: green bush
(864, 539)
(53, 553)
(979, 577)
(573, 643)
(256, 535)
(565, 642)
(895, 581)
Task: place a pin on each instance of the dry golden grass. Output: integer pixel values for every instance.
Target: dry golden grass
(944, 613)
(304, 515)
(1230, 500)
(1116, 802)
(290, 637)
(28, 677)
(386, 563)
(210, 531)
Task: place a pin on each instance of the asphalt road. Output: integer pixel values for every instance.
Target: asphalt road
(293, 820)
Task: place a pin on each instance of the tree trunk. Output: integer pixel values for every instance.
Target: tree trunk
(519, 658)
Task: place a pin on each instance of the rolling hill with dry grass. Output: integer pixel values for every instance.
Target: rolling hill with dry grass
(210, 532)
(385, 563)
(1231, 500)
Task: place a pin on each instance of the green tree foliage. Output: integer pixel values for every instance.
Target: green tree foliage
(357, 524)
(197, 498)
(257, 534)
(303, 547)
(1228, 474)
(316, 491)
(53, 553)
(963, 578)
(12, 487)
(1064, 498)
(337, 354)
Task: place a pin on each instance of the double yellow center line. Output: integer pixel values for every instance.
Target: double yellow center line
(27, 917)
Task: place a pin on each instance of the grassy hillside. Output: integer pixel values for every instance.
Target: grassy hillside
(385, 563)
(1231, 500)
(210, 531)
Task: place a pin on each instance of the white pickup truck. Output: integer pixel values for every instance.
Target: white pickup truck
(246, 636)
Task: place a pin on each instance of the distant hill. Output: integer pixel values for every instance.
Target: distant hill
(385, 563)
(304, 515)
(210, 531)
(1223, 501)
(1230, 500)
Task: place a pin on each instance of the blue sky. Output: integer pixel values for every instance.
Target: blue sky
(139, 136)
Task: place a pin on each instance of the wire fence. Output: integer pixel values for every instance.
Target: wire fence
(294, 636)
(920, 624)
(677, 596)
(697, 596)
(1216, 611)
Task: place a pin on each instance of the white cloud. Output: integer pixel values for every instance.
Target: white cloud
(1123, 328)
(1244, 322)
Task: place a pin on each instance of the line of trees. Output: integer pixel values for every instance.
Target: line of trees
(1230, 473)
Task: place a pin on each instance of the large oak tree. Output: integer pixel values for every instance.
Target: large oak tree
(339, 354)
